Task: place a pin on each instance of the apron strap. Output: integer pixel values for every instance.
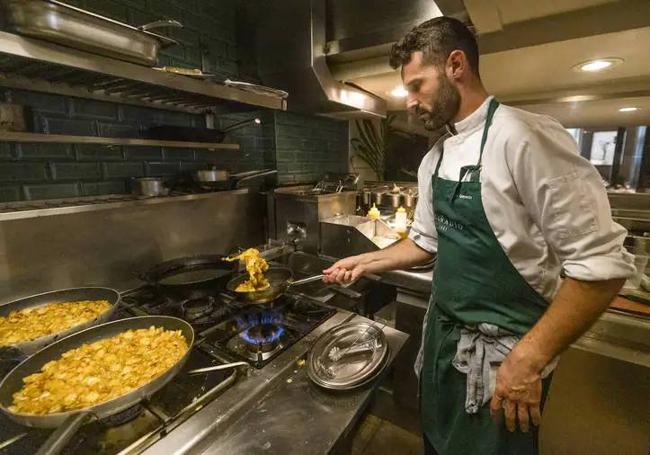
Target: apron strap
(476, 169)
(488, 121)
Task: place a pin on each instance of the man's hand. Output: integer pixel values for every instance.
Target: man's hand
(346, 270)
(518, 392)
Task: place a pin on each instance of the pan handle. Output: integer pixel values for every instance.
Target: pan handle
(62, 435)
(225, 366)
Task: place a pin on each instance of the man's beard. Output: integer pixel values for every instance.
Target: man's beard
(443, 108)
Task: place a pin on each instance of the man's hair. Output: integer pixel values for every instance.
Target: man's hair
(436, 38)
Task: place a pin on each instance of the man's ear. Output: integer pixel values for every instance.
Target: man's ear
(456, 64)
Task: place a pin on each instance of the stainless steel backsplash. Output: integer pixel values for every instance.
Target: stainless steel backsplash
(109, 244)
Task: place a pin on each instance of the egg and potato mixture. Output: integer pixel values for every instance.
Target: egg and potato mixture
(97, 372)
(255, 266)
(35, 322)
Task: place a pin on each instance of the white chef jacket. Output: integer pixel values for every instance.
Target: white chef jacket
(545, 203)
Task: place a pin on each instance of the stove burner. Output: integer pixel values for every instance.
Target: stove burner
(194, 309)
(123, 417)
(263, 337)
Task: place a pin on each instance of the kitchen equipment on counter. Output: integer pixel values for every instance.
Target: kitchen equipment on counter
(68, 422)
(149, 187)
(410, 198)
(221, 179)
(189, 277)
(345, 235)
(74, 27)
(60, 296)
(186, 133)
(300, 208)
(348, 356)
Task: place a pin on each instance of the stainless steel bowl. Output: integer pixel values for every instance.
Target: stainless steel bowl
(395, 199)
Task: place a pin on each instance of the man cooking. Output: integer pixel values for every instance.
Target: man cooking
(506, 202)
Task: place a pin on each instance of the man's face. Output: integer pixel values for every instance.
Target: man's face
(432, 97)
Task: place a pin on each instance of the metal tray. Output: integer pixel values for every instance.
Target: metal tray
(64, 24)
(357, 366)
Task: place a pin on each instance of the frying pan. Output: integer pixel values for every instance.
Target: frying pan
(67, 423)
(64, 295)
(189, 277)
(186, 133)
(281, 279)
(221, 179)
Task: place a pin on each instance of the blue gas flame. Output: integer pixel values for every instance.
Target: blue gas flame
(261, 327)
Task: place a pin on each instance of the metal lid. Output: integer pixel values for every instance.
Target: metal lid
(348, 356)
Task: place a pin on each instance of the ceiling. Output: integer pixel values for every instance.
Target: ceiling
(528, 50)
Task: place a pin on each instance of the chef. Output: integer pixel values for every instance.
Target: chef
(506, 203)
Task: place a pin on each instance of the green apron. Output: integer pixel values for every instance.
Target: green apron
(473, 282)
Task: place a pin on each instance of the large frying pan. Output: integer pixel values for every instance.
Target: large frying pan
(65, 295)
(189, 277)
(67, 423)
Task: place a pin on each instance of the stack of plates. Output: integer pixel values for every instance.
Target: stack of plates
(348, 356)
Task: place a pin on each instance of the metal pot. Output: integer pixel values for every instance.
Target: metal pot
(366, 197)
(149, 187)
(410, 199)
(378, 197)
(395, 199)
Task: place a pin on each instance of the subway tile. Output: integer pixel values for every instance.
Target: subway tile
(40, 102)
(76, 171)
(54, 125)
(51, 191)
(93, 109)
(30, 151)
(178, 154)
(6, 151)
(143, 153)
(22, 172)
(162, 169)
(99, 188)
(98, 152)
(124, 169)
(10, 193)
(118, 130)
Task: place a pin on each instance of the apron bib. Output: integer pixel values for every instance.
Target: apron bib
(473, 282)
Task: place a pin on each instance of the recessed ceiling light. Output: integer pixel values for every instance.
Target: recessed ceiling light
(399, 92)
(600, 64)
(628, 109)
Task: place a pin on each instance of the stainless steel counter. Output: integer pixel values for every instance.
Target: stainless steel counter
(276, 410)
(415, 281)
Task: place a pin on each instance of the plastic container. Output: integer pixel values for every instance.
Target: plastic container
(401, 222)
(374, 213)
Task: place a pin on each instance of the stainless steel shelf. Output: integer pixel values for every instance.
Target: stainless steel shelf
(32, 64)
(32, 209)
(65, 139)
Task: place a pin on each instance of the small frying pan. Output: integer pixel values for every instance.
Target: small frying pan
(280, 280)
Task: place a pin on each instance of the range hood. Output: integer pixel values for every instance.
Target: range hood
(291, 55)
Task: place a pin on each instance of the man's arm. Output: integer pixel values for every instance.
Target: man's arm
(401, 255)
(563, 194)
(575, 308)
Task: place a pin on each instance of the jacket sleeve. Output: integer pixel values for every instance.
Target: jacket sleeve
(566, 198)
(423, 230)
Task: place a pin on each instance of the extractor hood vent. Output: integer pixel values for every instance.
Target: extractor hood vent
(291, 46)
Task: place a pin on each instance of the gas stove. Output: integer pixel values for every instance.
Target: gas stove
(226, 330)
